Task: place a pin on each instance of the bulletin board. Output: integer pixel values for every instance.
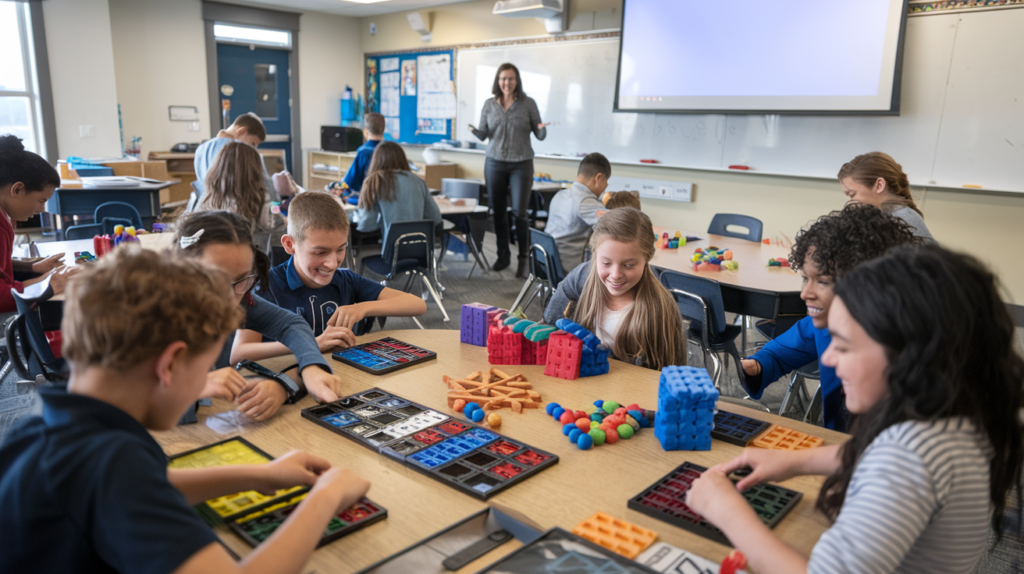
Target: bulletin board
(415, 92)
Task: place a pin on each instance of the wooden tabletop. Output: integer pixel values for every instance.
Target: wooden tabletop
(448, 207)
(154, 241)
(582, 483)
(753, 274)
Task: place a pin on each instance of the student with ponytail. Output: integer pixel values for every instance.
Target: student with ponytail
(27, 182)
(223, 240)
(876, 179)
(924, 346)
(617, 296)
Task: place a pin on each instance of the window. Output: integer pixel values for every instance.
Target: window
(259, 36)
(20, 111)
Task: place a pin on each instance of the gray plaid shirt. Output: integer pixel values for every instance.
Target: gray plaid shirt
(509, 130)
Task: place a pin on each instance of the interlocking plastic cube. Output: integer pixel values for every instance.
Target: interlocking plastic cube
(504, 347)
(616, 535)
(474, 324)
(564, 354)
(781, 438)
(686, 409)
(593, 356)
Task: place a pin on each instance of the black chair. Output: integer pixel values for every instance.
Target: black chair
(30, 352)
(700, 302)
(409, 250)
(85, 231)
(721, 223)
(458, 225)
(538, 208)
(546, 270)
(797, 392)
(118, 210)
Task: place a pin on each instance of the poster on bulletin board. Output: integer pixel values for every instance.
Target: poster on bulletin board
(415, 92)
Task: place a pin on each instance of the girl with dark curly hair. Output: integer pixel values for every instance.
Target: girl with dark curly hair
(832, 246)
(924, 346)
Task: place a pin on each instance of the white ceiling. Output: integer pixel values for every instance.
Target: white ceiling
(344, 8)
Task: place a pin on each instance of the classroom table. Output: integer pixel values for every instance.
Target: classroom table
(68, 247)
(82, 202)
(477, 217)
(582, 483)
(755, 289)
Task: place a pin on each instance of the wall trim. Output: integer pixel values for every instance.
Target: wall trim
(45, 94)
(248, 16)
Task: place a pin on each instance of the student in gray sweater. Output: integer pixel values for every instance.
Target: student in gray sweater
(391, 193)
(876, 179)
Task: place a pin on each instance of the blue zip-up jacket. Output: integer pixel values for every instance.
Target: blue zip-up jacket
(798, 346)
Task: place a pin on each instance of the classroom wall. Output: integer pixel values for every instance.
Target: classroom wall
(160, 57)
(469, 22)
(78, 42)
(330, 58)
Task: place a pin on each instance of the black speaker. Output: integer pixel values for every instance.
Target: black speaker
(339, 138)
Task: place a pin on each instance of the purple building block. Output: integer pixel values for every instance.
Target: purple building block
(473, 326)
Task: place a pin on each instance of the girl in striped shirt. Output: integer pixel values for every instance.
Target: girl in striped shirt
(923, 345)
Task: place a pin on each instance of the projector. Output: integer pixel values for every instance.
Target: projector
(528, 8)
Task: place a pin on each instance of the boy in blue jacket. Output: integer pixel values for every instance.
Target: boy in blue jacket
(829, 248)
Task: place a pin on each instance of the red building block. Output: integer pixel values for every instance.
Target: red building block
(564, 354)
(504, 347)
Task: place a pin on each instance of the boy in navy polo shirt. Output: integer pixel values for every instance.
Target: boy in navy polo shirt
(339, 304)
(374, 131)
(85, 488)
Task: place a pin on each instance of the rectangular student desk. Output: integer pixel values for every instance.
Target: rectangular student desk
(583, 482)
(82, 202)
(755, 289)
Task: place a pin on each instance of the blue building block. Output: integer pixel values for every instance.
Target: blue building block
(686, 409)
(473, 326)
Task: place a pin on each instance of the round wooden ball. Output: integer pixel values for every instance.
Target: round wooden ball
(494, 419)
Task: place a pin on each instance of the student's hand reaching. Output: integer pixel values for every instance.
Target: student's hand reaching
(224, 384)
(297, 468)
(347, 316)
(765, 466)
(341, 482)
(261, 398)
(335, 337)
(322, 385)
(49, 264)
(714, 497)
(59, 278)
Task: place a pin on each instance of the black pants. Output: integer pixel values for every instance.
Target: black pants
(503, 178)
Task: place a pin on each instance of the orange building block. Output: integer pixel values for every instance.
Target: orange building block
(619, 536)
(782, 438)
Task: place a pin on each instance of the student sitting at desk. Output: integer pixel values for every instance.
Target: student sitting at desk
(573, 212)
(373, 131)
(391, 193)
(876, 179)
(247, 128)
(27, 182)
(924, 346)
(222, 239)
(822, 253)
(88, 473)
(337, 303)
(235, 183)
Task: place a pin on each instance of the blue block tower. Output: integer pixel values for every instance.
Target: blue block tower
(473, 325)
(686, 409)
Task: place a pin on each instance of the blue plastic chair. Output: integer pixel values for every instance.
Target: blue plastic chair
(546, 270)
(721, 222)
(458, 226)
(409, 251)
(118, 210)
(85, 231)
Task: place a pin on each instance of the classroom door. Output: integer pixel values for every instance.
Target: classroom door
(257, 80)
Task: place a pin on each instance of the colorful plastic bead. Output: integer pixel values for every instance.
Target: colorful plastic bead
(598, 435)
(494, 419)
(611, 436)
(477, 415)
(574, 434)
(584, 441)
(625, 432)
(610, 406)
(566, 429)
(550, 408)
(583, 425)
(459, 404)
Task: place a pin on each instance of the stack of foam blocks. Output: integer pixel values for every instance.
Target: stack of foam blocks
(575, 352)
(514, 341)
(475, 321)
(686, 409)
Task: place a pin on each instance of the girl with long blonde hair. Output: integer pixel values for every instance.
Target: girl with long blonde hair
(617, 296)
(235, 183)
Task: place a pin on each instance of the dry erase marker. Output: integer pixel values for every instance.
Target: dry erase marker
(648, 161)
(971, 185)
(742, 167)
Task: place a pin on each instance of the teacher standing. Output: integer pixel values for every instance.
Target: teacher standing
(507, 119)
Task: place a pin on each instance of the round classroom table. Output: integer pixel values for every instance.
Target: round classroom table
(755, 289)
(581, 483)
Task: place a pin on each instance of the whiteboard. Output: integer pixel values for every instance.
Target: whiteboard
(961, 119)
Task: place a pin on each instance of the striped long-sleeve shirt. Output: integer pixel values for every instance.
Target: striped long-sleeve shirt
(918, 502)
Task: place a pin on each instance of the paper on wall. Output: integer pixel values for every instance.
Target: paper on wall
(392, 127)
(431, 126)
(437, 105)
(388, 64)
(390, 102)
(409, 78)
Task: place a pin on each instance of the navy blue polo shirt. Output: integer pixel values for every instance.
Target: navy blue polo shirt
(357, 171)
(317, 305)
(84, 489)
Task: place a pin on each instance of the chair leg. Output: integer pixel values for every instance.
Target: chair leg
(717, 365)
(792, 395)
(444, 247)
(478, 257)
(437, 298)
(531, 298)
(408, 282)
(522, 293)
(814, 411)
(417, 321)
